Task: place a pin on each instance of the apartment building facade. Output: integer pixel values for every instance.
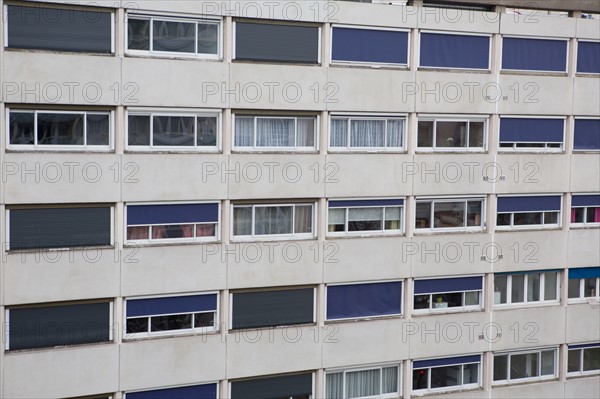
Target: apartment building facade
(408, 197)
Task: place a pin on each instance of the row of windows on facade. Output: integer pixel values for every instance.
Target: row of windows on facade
(71, 323)
(92, 31)
(80, 226)
(201, 131)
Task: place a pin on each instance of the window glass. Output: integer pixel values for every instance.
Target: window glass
(451, 134)
(518, 292)
(500, 367)
(138, 34)
(550, 284)
(591, 359)
(449, 214)
(425, 134)
(174, 36)
(574, 360)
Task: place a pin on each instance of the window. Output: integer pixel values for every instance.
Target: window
(173, 222)
(543, 55)
(348, 133)
(147, 317)
(584, 282)
(446, 374)
(351, 301)
(187, 131)
(369, 46)
(443, 50)
(173, 36)
(274, 220)
(59, 29)
(587, 134)
(532, 134)
(588, 57)
(41, 326)
(525, 365)
(460, 214)
(46, 227)
(372, 382)
(538, 211)
(255, 309)
(585, 210)
(277, 42)
(275, 133)
(204, 391)
(583, 359)
(526, 287)
(452, 134)
(56, 130)
(365, 216)
(459, 293)
(293, 386)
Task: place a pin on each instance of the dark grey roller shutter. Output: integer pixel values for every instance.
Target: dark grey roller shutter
(61, 29)
(59, 227)
(273, 387)
(48, 326)
(272, 308)
(284, 43)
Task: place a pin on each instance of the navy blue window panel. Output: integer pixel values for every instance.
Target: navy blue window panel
(364, 300)
(172, 214)
(584, 346)
(531, 130)
(584, 272)
(205, 391)
(588, 57)
(359, 203)
(297, 385)
(455, 51)
(534, 54)
(171, 305)
(587, 134)
(529, 272)
(586, 200)
(419, 364)
(537, 203)
(369, 45)
(448, 285)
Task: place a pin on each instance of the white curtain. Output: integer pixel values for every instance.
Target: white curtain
(244, 131)
(242, 221)
(304, 218)
(339, 133)
(274, 132)
(273, 220)
(365, 214)
(389, 380)
(367, 133)
(305, 132)
(334, 386)
(362, 383)
(395, 128)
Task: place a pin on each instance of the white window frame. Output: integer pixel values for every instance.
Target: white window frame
(133, 336)
(370, 63)
(170, 18)
(426, 67)
(578, 151)
(562, 39)
(401, 313)
(545, 149)
(457, 309)
(447, 118)
(64, 148)
(542, 291)
(161, 241)
(581, 371)
(575, 66)
(464, 199)
(255, 148)
(274, 237)
(540, 377)
(582, 298)
(358, 116)
(174, 387)
(381, 366)
(461, 387)
(366, 233)
(195, 113)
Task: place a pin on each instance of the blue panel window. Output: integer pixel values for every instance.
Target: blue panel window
(584, 282)
(442, 50)
(544, 134)
(458, 293)
(447, 374)
(583, 359)
(376, 216)
(587, 135)
(532, 211)
(588, 57)
(364, 300)
(147, 317)
(172, 222)
(530, 287)
(585, 210)
(542, 55)
(369, 46)
(204, 391)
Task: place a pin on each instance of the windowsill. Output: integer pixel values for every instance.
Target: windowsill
(169, 335)
(444, 311)
(274, 151)
(246, 239)
(582, 374)
(42, 51)
(365, 65)
(172, 151)
(182, 57)
(583, 301)
(330, 236)
(583, 152)
(174, 242)
(527, 228)
(368, 318)
(450, 151)
(441, 391)
(276, 62)
(365, 151)
(526, 305)
(63, 249)
(577, 226)
(587, 74)
(502, 151)
(431, 232)
(522, 381)
(531, 72)
(59, 150)
(457, 70)
(11, 352)
(237, 330)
